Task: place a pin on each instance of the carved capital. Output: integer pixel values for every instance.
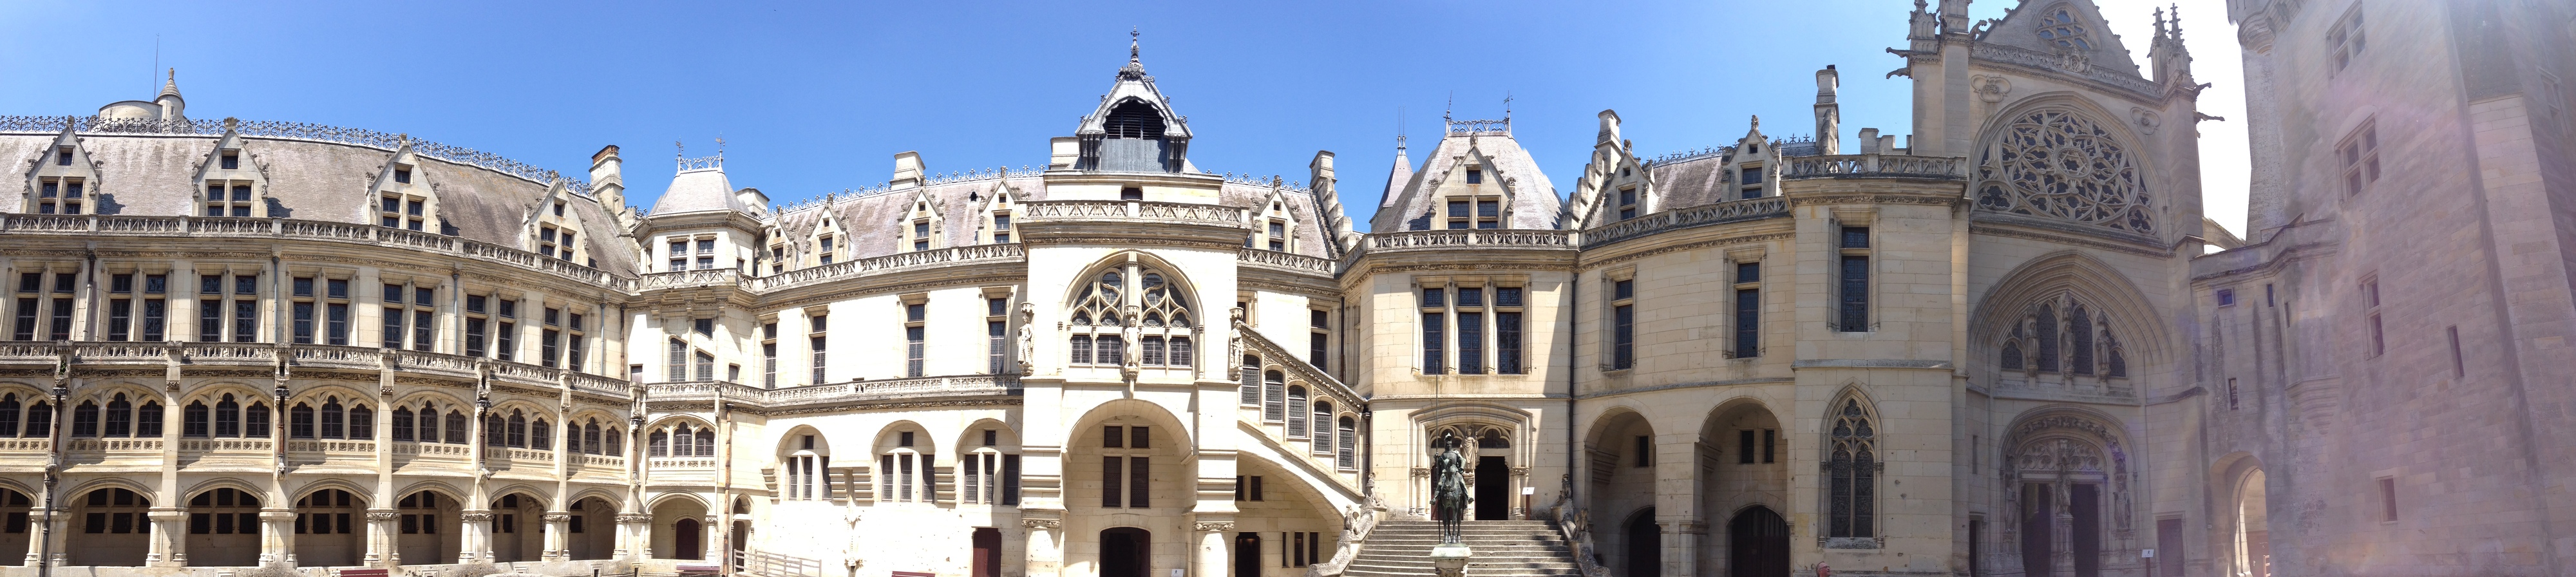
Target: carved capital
(1206, 526)
(634, 519)
(557, 517)
(383, 516)
(474, 517)
(1049, 524)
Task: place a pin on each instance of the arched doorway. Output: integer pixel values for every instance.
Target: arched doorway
(2066, 487)
(113, 528)
(1125, 552)
(1247, 554)
(1757, 544)
(1493, 476)
(14, 514)
(429, 528)
(1644, 546)
(223, 528)
(329, 529)
(680, 528)
(517, 528)
(592, 530)
(2252, 541)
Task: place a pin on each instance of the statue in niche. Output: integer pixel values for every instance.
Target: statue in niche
(1028, 338)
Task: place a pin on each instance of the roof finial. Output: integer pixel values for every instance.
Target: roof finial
(1134, 56)
(680, 150)
(1399, 130)
(1507, 106)
(1757, 122)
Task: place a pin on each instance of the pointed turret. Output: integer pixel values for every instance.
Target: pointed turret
(2172, 60)
(172, 107)
(1396, 176)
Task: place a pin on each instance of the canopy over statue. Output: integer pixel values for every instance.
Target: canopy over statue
(1448, 487)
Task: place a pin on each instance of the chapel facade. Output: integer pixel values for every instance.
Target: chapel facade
(2005, 342)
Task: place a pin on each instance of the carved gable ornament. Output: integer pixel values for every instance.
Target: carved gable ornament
(2057, 163)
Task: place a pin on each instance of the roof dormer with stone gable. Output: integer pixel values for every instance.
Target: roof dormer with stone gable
(404, 197)
(62, 179)
(993, 219)
(1755, 167)
(1615, 185)
(921, 224)
(1477, 161)
(234, 181)
(553, 230)
(1274, 225)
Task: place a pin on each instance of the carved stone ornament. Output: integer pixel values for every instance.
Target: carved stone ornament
(1028, 340)
(2057, 163)
(1049, 524)
(557, 517)
(383, 516)
(635, 519)
(474, 517)
(2146, 119)
(1991, 89)
(1209, 526)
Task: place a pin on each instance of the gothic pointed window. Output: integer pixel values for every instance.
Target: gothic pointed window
(2079, 330)
(2046, 327)
(1852, 471)
(2115, 364)
(1163, 320)
(2057, 163)
(2012, 356)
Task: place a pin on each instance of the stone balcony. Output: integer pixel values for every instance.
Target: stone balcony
(1098, 221)
(938, 258)
(209, 227)
(847, 393)
(111, 353)
(1876, 166)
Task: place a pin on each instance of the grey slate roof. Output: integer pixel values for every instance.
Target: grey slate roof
(1535, 203)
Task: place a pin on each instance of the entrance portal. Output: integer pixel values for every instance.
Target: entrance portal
(1124, 552)
(1493, 489)
(1645, 546)
(1757, 544)
(988, 552)
(1247, 554)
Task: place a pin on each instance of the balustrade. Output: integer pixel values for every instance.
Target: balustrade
(303, 230)
(1285, 261)
(1126, 210)
(227, 445)
(952, 256)
(114, 444)
(349, 446)
(1702, 215)
(1875, 166)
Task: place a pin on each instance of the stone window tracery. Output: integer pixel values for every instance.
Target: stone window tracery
(1133, 316)
(1852, 469)
(2060, 164)
(2061, 28)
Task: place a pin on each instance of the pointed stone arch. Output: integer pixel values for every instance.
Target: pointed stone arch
(2057, 448)
(2126, 324)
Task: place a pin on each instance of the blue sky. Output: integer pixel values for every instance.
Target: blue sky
(813, 98)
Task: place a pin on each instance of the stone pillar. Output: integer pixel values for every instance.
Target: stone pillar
(557, 542)
(633, 543)
(277, 535)
(474, 536)
(381, 535)
(169, 543)
(1682, 546)
(713, 548)
(1677, 501)
(1211, 558)
(1046, 545)
(57, 539)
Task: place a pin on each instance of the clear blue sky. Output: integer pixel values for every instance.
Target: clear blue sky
(819, 97)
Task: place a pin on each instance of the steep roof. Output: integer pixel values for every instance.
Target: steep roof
(699, 189)
(1535, 203)
(2033, 26)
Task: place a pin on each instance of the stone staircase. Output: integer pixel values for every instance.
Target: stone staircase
(1500, 549)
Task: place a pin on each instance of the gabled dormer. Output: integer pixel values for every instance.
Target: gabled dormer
(922, 224)
(233, 181)
(994, 224)
(1615, 185)
(828, 242)
(1754, 168)
(62, 179)
(1134, 129)
(777, 252)
(1472, 194)
(551, 228)
(403, 196)
(1274, 225)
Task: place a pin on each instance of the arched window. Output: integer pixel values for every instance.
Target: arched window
(2046, 327)
(616, 441)
(1852, 470)
(661, 444)
(1345, 444)
(905, 474)
(518, 430)
(147, 419)
(1162, 312)
(2119, 364)
(706, 442)
(335, 419)
(403, 424)
(1134, 119)
(2061, 28)
(255, 420)
(493, 429)
(590, 438)
(2012, 356)
(85, 419)
(362, 422)
(2079, 329)
(541, 435)
(192, 418)
(40, 420)
(228, 417)
(1274, 396)
(1296, 412)
(683, 442)
(120, 417)
(9, 415)
(1323, 444)
(456, 432)
(299, 422)
(2060, 164)
(806, 466)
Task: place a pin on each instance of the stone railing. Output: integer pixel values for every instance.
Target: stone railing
(116, 444)
(1876, 166)
(441, 449)
(681, 462)
(1287, 261)
(602, 461)
(1357, 523)
(25, 445)
(952, 256)
(701, 278)
(531, 455)
(703, 391)
(331, 446)
(92, 224)
(1573, 524)
(230, 353)
(120, 352)
(604, 385)
(290, 131)
(1702, 215)
(428, 362)
(1133, 210)
(861, 391)
(1453, 239)
(339, 356)
(245, 445)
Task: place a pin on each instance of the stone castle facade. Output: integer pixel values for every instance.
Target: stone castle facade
(2005, 343)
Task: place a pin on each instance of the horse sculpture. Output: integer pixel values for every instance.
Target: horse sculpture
(1449, 488)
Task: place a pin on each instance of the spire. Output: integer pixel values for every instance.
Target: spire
(171, 88)
(1135, 68)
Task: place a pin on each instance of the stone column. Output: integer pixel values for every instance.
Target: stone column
(277, 535)
(57, 539)
(474, 536)
(1677, 501)
(1211, 559)
(1682, 546)
(633, 543)
(381, 536)
(169, 537)
(557, 547)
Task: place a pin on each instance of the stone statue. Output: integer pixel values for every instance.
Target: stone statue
(1234, 336)
(1449, 487)
(1028, 341)
(1135, 335)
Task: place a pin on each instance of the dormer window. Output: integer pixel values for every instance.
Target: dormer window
(2061, 28)
(231, 160)
(402, 174)
(1475, 212)
(555, 242)
(921, 235)
(228, 198)
(1002, 228)
(823, 249)
(1752, 181)
(1475, 176)
(58, 196)
(1627, 203)
(403, 211)
(63, 156)
(1278, 236)
(559, 208)
(1134, 119)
